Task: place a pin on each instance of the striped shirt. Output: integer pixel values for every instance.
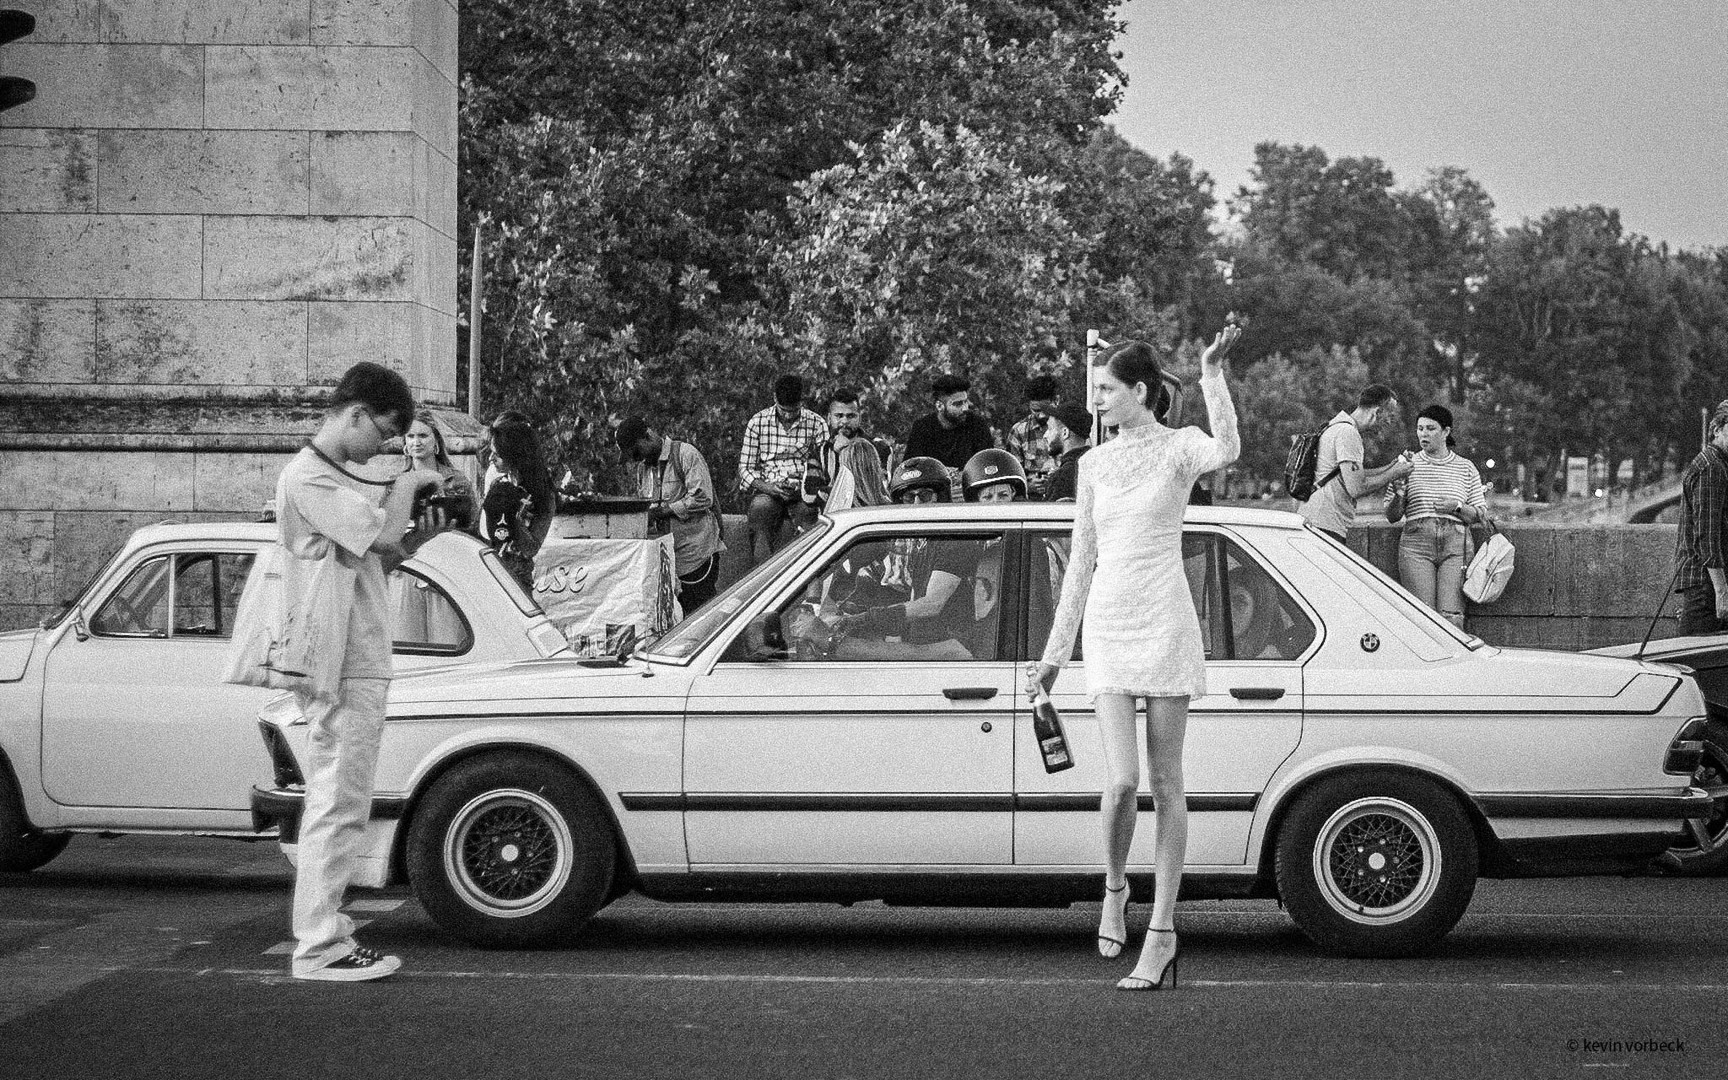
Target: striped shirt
(1434, 482)
(773, 451)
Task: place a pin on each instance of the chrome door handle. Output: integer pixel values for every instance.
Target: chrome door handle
(969, 693)
(1256, 693)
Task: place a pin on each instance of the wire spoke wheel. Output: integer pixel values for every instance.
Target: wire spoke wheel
(508, 851)
(1377, 860)
(1377, 863)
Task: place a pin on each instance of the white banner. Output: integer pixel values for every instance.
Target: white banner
(606, 595)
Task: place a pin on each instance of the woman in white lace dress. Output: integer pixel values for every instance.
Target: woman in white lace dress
(1142, 637)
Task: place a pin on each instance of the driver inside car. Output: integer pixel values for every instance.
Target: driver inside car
(952, 612)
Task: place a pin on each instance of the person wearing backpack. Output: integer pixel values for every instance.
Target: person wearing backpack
(673, 475)
(1340, 478)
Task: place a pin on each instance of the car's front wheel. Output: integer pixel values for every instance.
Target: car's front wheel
(510, 850)
(23, 848)
(1376, 864)
(1704, 847)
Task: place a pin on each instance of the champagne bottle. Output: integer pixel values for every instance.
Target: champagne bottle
(1047, 729)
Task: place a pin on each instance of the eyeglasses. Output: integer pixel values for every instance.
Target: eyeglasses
(384, 434)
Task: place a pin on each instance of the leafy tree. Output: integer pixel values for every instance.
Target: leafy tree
(639, 164)
(931, 253)
(1581, 312)
(1153, 244)
(1282, 395)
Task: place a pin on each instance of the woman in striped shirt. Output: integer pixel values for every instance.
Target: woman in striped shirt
(1438, 502)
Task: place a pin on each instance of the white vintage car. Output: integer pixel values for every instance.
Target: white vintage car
(1357, 757)
(113, 715)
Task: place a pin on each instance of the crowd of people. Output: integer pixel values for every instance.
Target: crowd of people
(795, 463)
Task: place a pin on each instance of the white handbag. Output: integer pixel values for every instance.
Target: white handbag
(1491, 569)
(291, 643)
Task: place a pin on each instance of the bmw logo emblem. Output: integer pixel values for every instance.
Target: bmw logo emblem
(1370, 642)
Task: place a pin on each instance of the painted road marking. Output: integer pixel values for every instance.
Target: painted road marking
(956, 980)
(374, 905)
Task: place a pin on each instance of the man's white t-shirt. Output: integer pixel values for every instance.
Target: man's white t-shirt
(323, 512)
(1331, 507)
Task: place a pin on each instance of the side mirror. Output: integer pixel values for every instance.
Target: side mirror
(765, 638)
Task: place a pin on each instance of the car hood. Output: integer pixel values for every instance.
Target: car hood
(15, 649)
(559, 677)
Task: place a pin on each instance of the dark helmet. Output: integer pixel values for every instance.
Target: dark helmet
(917, 472)
(988, 467)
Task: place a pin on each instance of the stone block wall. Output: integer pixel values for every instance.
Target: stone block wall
(211, 209)
(1576, 586)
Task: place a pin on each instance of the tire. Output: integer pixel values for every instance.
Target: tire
(1704, 850)
(23, 848)
(510, 850)
(1376, 864)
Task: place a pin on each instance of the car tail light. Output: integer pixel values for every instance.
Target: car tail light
(1687, 749)
(282, 761)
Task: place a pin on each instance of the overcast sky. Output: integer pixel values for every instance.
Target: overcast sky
(1618, 102)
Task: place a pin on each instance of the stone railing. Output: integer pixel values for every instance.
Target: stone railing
(1576, 586)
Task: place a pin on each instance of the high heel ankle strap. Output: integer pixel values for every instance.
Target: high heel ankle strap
(1117, 889)
(1155, 930)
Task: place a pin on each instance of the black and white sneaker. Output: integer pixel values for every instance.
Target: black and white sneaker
(358, 966)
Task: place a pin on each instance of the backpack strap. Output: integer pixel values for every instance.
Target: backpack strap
(1337, 470)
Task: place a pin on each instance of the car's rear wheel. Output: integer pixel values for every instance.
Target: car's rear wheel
(1376, 864)
(23, 848)
(510, 850)
(1704, 848)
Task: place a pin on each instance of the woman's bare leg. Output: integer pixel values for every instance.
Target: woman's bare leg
(1166, 728)
(1118, 809)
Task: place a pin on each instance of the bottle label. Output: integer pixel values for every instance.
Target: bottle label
(1055, 750)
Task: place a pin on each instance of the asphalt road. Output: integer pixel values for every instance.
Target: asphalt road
(164, 958)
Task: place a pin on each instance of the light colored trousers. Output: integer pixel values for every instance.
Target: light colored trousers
(341, 758)
(1433, 554)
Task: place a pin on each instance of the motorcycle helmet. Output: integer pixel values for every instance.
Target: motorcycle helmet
(919, 472)
(989, 467)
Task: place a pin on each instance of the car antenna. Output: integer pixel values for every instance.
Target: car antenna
(1660, 604)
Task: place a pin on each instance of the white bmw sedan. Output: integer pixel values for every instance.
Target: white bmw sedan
(1357, 757)
(113, 715)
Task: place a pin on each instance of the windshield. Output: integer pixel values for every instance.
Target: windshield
(66, 606)
(690, 635)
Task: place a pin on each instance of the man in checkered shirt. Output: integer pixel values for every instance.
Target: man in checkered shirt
(777, 444)
(1028, 440)
(1701, 550)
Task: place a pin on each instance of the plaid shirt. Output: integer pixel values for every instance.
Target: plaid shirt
(1703, 501)
(1026, 441)
(775, 452)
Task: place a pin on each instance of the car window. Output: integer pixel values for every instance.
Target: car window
(139, 607)
(427, 620)
(1261, 622)
(905, 598)
(207, 588)
(1266, 623)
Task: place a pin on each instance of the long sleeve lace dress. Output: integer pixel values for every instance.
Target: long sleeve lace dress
(1141, 634)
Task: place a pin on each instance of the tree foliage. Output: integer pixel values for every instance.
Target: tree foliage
(684, 199)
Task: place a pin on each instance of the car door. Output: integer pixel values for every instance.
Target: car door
(877, 747)
(1247, 724)
(134, 712)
